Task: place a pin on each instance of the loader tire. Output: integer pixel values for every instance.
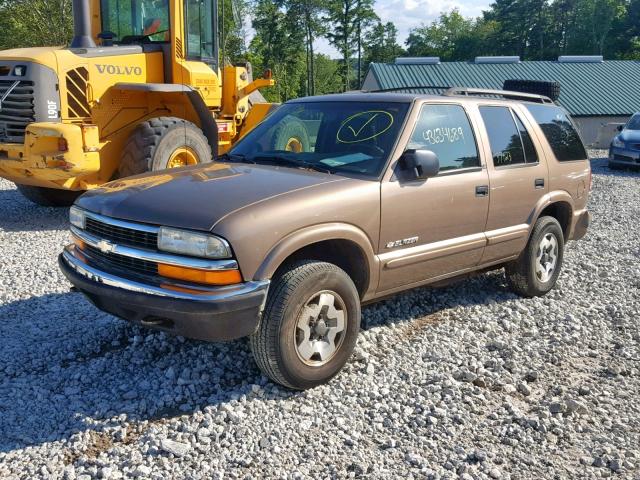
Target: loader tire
(163, 142)
(291, 136)
(49, 197)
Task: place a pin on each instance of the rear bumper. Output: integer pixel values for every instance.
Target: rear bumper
(220, 313)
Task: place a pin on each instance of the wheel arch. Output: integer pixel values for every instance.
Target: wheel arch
(558, 205)
(341, 244)
(185, 94)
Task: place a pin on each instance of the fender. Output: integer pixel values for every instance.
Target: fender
(318, 233)
(557, 196)
(207, 122)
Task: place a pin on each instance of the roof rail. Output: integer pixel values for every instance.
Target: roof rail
(507, 94)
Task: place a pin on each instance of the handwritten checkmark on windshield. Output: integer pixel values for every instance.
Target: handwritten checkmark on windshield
(357, 134)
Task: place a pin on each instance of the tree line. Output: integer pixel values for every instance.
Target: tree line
(283, 35)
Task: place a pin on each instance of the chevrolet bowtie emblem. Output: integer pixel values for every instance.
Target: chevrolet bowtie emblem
(105, 247)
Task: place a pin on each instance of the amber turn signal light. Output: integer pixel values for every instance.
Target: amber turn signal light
(210, 277)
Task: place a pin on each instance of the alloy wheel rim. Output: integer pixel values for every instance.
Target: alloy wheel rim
(320, 328)
(546, 257)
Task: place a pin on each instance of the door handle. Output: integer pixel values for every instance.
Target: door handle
(482, 190)
(539, 183)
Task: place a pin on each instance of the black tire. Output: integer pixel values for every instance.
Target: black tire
(49, 197)
(274, 343)
(548, 89)
(285, 132)
(521, 273)
(152, 143)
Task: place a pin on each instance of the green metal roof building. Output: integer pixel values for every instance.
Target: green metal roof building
(599, 94)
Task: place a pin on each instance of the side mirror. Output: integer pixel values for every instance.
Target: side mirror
(422, 163)
(620, 128)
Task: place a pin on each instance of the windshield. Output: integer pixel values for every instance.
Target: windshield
(338, 137)
(634, 123)
(136, 18)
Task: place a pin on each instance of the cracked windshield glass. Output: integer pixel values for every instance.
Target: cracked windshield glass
(336, 137)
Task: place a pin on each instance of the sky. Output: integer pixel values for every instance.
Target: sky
(408, 14)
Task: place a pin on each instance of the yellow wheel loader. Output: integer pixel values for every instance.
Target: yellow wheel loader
(140, 88)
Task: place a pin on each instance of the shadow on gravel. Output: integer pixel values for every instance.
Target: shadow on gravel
(414, 304)
(21, 215)
(65, 365)
(600, 166)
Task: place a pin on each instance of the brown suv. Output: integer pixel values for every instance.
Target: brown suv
(374, 194)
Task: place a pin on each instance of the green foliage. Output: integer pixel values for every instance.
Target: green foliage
(348, 20)
(286, 32)
(279, 46)
(32, 23)
(381, 43)
(534, 30)
(452, 37)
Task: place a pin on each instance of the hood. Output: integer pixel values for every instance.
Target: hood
(197, 197)
(630, 136)
(43, 55)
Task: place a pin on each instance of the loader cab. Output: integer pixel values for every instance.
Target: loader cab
(189, 25)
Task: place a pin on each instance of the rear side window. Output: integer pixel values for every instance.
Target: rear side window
(530, 153)
(504, 136)
(559, 131)
(446, 131)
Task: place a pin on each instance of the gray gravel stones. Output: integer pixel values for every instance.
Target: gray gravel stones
(467, 381)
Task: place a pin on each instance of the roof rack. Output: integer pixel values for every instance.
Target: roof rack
(410, 87)
(507, 94)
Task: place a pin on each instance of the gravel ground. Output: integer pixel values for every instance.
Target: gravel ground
(467, 381)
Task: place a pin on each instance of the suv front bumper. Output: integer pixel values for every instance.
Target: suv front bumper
(218, 313)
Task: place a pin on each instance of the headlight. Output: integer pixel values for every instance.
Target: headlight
(192, 243)
(617, 143)
(77, 217)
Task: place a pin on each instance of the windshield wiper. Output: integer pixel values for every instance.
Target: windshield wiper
(281, 159)
(234, 157)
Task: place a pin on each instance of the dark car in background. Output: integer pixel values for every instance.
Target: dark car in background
(625, 147)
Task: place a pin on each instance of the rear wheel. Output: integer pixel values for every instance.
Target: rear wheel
(537, 269)
(309, 327)
(164, 142)
(49, 197)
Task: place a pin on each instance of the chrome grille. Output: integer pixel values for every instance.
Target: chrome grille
(121, 235)
(121, 261)
(17, 110)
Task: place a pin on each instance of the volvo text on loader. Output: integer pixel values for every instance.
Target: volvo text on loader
(140, 88)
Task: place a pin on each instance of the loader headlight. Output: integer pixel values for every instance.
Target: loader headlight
(20, 70)
(77, 217)
(195, 244)
(617, 143)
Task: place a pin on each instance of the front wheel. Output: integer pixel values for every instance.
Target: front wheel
(49, 197)
(309, 327)
(536, 271)
(161, 143)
